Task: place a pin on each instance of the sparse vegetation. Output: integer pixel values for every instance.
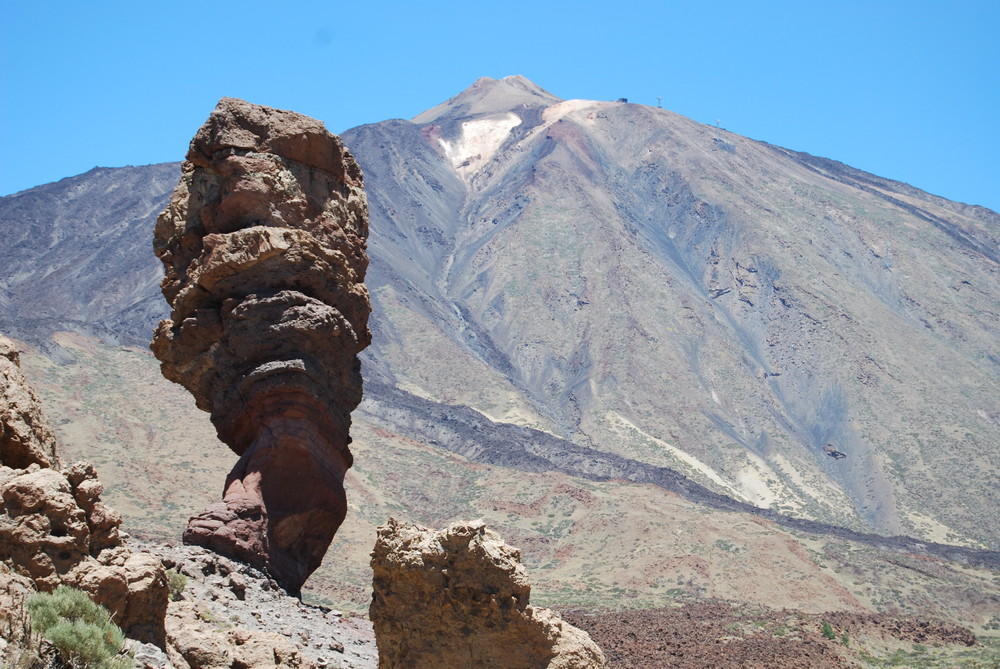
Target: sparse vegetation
(79, 629)
(176, 582)
(828, 631)
(205, 615)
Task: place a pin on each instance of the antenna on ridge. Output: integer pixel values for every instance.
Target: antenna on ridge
(659, 102)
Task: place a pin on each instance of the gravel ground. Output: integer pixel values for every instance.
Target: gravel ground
(235, 595)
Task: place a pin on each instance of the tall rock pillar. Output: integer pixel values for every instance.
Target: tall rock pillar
(263, 243)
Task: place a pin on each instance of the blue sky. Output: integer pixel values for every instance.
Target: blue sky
(907, 90)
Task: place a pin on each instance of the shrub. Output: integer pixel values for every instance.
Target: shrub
(78, 628)
(176, 582)
(828, 631)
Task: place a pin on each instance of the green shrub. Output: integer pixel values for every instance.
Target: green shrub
(176, 582)
(78, 628)
(828, 631)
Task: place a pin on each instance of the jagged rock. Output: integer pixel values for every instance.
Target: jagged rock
(54, 530)
(43, 531)
(263, 242)
(14, 590)
(132, 586)
(102, 521)
(25, 435)
(459, 598)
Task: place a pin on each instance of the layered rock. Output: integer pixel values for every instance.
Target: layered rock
(263, 242)
(25, 436)
(460, 598)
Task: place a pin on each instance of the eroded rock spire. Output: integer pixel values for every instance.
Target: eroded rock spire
(263, 242)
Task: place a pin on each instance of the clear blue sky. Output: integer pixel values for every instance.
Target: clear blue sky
(907, 90)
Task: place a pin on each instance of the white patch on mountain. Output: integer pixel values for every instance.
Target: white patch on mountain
(478, 142)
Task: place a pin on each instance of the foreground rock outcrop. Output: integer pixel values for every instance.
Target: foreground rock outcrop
(54, 528)
(263, 242)
(459, 598)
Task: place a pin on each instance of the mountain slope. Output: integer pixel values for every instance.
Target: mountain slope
(77, 254)
(588, 544)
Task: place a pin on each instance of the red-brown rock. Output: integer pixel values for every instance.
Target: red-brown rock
(263, 243)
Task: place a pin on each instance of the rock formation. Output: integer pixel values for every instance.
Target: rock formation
(54, 529)
(25, 436)
(459, 598)
(263, 242)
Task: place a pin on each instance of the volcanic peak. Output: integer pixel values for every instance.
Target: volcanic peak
(490, 96)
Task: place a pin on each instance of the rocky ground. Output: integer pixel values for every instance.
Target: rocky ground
(723, 636)
(231, 597)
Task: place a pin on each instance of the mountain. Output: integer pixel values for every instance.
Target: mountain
(582, 310)
(781, 328)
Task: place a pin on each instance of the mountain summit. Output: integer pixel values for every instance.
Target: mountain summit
(491, 96)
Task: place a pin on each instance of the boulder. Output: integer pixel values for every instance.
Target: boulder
(198, 644)
(263, 243)
(459, 597)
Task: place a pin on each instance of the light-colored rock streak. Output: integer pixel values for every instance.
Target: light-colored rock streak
(688, 463)
(478, 142)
